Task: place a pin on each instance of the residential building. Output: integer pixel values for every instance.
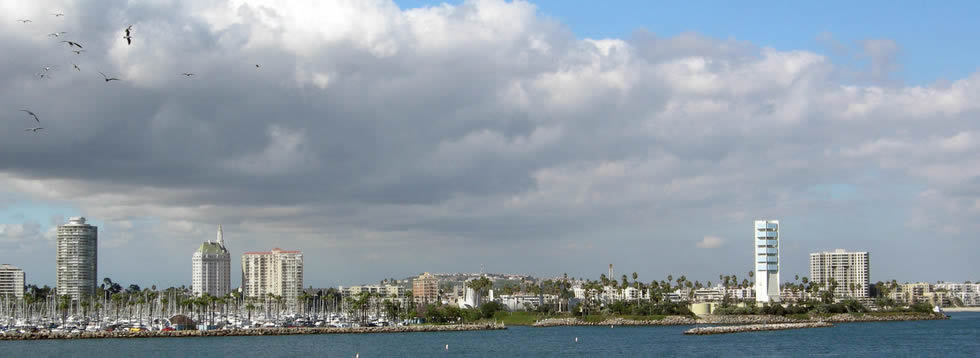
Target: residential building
(710, 294)
(11, 282)
(76, 258)
(425, 288)
(967, 293)
(211, 268)
(846, 272)
(380, 290)
(913, 292)
(766, 253)
(279, 272)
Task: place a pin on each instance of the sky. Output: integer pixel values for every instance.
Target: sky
(385, 139)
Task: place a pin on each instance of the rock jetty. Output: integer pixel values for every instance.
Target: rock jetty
(754, 328)
(738, 320)
(667, 321)
(10, 336)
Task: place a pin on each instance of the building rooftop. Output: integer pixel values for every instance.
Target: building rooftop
(275, 250)
(8, 267)
(211, 248)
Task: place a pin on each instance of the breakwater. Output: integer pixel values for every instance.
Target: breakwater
(738, 320)
(250, 332)
(666, 321)
(754, 328)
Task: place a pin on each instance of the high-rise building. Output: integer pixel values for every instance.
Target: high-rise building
(77, 258)
(211, 268)
(849, 271)
(278, 272)
(766, 255)
(425, 288)
(11, 282)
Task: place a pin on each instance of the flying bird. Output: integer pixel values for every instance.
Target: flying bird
(107, 78)
(256, 65)
(72, 43)
(49, 68)
(32, 114)
(24, 21)
(76, 67)
(56, 34)
(35, 129)
(42, 75)
(78, 52)
(187, 74)
(58, 14)
(129, 39)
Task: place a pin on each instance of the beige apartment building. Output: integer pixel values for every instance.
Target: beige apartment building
(425, 288)
(279, 272)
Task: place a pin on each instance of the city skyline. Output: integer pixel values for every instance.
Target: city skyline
(518, 135)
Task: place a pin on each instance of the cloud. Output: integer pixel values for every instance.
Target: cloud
(710, 242)
(480, 129)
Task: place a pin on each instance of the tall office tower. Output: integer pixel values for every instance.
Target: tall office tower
(211, 268)
(766, 260)
(77, 259)
(278, 272)
(11, 282)
(849, 271)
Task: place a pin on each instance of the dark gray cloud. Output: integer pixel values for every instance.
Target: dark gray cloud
(441, 138)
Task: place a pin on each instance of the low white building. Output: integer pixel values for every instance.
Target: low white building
(523, 301)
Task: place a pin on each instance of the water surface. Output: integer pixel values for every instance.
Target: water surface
(958, 337)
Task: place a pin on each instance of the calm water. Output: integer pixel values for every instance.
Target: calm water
(959, 336)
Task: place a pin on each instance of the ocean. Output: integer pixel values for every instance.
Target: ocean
(957, 337)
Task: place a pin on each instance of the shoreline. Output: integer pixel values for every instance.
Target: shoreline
(251, 332)
(737, 320)
(961, 309)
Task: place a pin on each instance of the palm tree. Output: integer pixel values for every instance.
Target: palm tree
(249, 306)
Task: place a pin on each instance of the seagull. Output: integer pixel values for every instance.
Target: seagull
(58, 14)
(42, 75)
(129, 39)
(35, 129)
(32, 114)
(72, 43)
(187, 74)
(78, 52)
(107, 78)
(56, 34)
(256, 65)
(24, 21)
(49, 68)
(76, 67)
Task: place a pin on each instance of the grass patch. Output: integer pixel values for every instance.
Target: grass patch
(799, 316)
(595, 318)
(519, 318)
